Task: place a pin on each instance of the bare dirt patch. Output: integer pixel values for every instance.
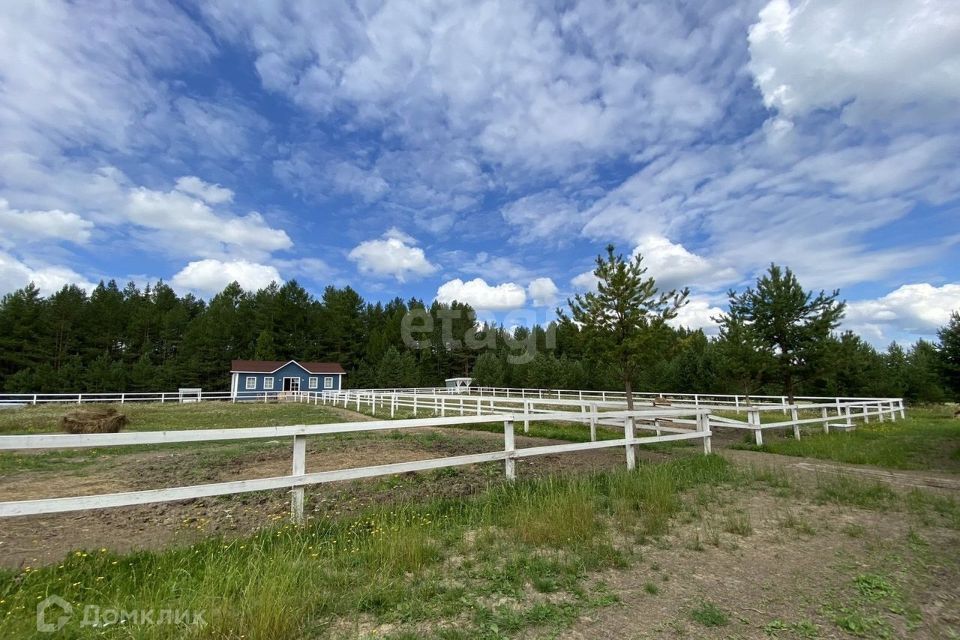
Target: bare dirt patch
(795, 575)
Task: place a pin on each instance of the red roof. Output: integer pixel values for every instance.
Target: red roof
(269, 366)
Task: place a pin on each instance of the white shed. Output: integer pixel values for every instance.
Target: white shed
(458, 385)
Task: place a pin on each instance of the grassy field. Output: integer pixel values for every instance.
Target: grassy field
(929, 438)
(152, 416)
(155, 417)
(532, 545)
(702, 547)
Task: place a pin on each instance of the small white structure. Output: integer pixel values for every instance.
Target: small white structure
(458, 385)
(190, 394)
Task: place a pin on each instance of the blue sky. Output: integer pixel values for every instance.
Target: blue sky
(487, 151)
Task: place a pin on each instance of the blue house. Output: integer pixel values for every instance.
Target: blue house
(254, 377)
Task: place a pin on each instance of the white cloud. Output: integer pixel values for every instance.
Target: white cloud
(182, 224)
(698, 313)
(392, 255)
(586, 281)
(315, 269)
(482, 296)
(209, 277)
(15, 274)
(546, 216)
(41, 226)
(486, 265)
(513, 82)
(349, 178)
(918, 309)
(75, 77)
(674, 267)
(543, 291)
(210, 193)
(751, 203)
(822, 54)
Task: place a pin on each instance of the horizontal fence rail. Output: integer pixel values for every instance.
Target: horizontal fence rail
(696, 421)
(737, 402)
(836, 413)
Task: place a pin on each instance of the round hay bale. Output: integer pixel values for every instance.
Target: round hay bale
(96, 420)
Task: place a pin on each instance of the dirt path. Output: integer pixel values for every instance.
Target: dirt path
(794, 575)
(905, 479)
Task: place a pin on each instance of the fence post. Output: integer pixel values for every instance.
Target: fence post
(299, 468)
(826, 419)
(593, 423)
(783, 401)
(736, 402)
(509, 446)
(393, 405)
(703, 424)
(793, 418)
(122, 397)
(893, 412)
(849, 418)
(753, 417)
(903, 411)
(880, 412)
(526, 417)
(628, 434)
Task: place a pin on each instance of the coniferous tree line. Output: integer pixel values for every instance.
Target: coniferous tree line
(151, 339)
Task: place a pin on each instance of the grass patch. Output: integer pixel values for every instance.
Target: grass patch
(737, 523)
(154, 416)
(800, 526)
(929, 438)
(458, 568)
(845, 490)
(709, 615)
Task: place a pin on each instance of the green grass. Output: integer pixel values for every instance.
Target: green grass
(462, 567)
(709, 615)
(928, 438)
(846, 490)
(152, 416)
(155, 417)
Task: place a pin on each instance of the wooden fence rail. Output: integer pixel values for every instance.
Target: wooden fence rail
(838, 413)
(699, 420)
(735, 402)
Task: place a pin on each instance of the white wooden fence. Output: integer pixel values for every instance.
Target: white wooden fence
(18, 399)
(837, 413)
(686, 425)
(735, 402)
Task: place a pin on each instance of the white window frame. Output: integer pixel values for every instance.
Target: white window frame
(328, 382)
(250, 383)
(268, 383)
(312, 382)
